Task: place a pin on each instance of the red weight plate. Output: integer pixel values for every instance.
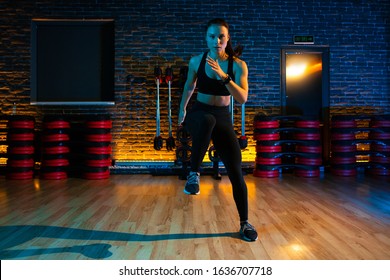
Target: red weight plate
(20, 136)
(309, 149)
(27, 124)
(344, 172)
(343, 149)
(55, 137)
(96, 175)
(99, 150)
(98, 162)
(56, 124)
(268, 149)
(343, 136)
(266, 174)
(343, 160)
(99, 124)
(20, 163)
(380, 123)
(24, 175)
(380, 159)
(380, 148)
(309, 161)
(266, 137)
(380, 135)
(344, 124)
(307, 124)
(266, 124)
(55, 162)
(307, 136)
(28, 150)
(379, 171)
(268, 161)
(56, 150)
(58, 175)
(99, 137)
(307, 173)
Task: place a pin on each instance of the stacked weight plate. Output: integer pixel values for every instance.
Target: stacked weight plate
(268, 147)
(287, 142)
(346, 143)
(55, 148)
(343, 145)
(380, 157)
(308, 148)
(97, 147)
(20, 151)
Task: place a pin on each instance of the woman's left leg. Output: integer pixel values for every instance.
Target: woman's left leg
(228, 148)
(226, 143)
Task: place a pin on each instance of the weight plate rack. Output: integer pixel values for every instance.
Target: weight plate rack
(287, 143)
(360, 143)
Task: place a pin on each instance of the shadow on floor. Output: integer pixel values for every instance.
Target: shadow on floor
(11, 236)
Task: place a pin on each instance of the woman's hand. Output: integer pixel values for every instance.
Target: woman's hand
(181, 117)
(215, 67)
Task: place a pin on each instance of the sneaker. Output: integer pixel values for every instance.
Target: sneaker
(192, 185)
(248, 232)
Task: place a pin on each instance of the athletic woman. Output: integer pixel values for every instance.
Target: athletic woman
(218, 74)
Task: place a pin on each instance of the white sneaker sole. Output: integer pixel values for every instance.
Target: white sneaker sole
(186, 192)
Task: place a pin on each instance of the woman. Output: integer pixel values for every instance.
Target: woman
(218, 74)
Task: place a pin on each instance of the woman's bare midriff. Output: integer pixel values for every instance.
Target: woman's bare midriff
(213, 100)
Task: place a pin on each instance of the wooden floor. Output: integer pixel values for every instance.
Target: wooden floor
(149, 217)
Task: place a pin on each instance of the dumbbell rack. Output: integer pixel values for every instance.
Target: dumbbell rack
(286, 143)
(183, 151)
(183, 154)
(360, 143)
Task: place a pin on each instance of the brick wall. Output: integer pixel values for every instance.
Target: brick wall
(168, 33)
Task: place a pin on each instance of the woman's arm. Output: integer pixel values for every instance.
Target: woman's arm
(239, 88)
(189, 88)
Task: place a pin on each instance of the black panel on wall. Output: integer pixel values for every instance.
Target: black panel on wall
(72, 61)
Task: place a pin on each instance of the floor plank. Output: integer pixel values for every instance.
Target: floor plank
(142, 216)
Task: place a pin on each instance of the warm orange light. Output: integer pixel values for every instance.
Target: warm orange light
(299, 66)
(295, 70)
(37, 185)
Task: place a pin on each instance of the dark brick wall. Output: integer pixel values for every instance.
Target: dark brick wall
(168, 33)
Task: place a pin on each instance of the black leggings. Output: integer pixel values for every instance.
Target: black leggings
(204, 123)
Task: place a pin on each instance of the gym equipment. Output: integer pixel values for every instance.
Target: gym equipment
(307, 173)
(213, 156)
(183, 154)
(243, 140)
(55, 150)
(97, 147)
(170, 141)
(20, 151)
(182, 135)
(158, 140)
(281, 146)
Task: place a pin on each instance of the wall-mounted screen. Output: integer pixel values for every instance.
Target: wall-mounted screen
(72, 61)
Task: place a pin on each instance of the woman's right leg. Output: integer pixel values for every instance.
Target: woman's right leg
(200, 125)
